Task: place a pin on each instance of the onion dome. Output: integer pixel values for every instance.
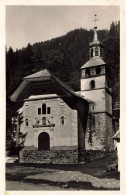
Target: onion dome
(95, 47)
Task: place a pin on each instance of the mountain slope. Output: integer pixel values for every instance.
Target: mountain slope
(64, 56)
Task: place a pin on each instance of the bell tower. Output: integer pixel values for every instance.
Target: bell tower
(95, 87)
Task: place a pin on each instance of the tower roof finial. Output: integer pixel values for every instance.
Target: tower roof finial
(95, 20)
(95, 29)
(96, 46)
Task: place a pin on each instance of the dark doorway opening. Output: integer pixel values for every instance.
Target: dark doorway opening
(43, 141)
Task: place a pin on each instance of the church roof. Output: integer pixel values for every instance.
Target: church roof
(94, 61)
(117, 135)
(42, 73)
(33, 84)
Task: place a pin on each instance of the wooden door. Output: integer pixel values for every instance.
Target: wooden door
(43, 141)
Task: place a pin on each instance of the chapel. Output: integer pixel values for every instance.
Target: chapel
(59, 123)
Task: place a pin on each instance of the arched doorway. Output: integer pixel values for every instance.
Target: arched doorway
(43, 141)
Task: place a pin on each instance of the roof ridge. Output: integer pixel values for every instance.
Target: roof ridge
(38, 74)
(94, 61)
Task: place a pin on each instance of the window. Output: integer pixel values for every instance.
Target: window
(92, 84)
(43, 120)
(98, 70)
(26, 122)
(101, 52)
(43, 108)
(39, 111)
(96, 51)
(87, 71)
(62, 120)
(91, 52)
(48, 110)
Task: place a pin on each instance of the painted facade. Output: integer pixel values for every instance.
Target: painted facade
(53, 117)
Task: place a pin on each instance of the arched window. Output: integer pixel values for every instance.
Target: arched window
(62, 120)
(43, 141)
(43, 120)
(98, 70)
(87, 71)
(92, 84)
(26, 122)
(43, 108)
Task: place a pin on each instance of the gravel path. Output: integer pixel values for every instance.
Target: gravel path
(52, 177)
(22, 186)
(67, 176)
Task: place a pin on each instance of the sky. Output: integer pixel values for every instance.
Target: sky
(31, 24)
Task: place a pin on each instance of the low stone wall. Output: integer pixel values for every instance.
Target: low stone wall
(49, 156)
(90, 155)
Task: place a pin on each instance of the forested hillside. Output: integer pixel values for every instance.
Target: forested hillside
(64, 56)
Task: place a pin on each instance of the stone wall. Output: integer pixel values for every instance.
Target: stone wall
(109, 134)
(49, 156)
(98, 135)
(108, 103)
(101, 135)
(90, 155)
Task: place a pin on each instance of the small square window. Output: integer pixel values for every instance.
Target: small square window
(26, 122)
(62, 120)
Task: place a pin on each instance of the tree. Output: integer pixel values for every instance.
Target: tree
(63, 56)
(11, 136)
(114, 29)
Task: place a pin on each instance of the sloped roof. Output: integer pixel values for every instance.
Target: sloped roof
(37, 80)
(117, 135)
(94, 61)
(42, 73)
(97, 42)
(117, 105)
